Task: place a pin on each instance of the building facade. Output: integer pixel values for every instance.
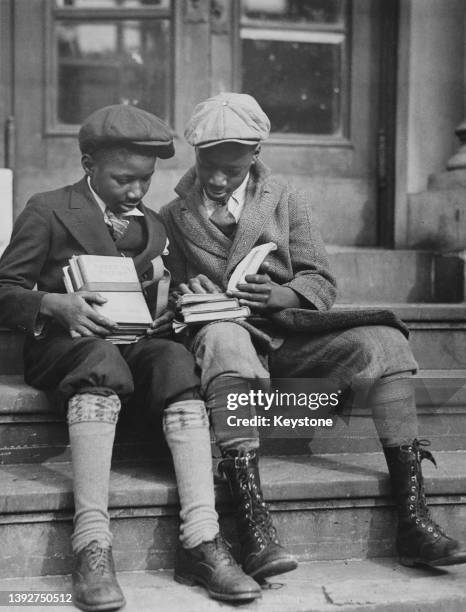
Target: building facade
(364, 95)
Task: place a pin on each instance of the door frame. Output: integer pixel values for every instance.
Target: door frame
(7, 139)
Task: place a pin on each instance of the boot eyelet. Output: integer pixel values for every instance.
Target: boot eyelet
(412, 498)
(429, 529)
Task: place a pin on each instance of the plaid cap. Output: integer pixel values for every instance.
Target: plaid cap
(230, 117)
(125, 124)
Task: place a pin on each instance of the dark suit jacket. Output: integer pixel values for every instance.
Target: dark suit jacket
(54, 226)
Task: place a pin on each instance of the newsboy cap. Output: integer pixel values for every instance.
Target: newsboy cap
(126, 125)
(227, 116)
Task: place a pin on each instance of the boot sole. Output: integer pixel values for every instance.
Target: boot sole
(114, 605)
(193, 580)
(444, 561)
(273, 568)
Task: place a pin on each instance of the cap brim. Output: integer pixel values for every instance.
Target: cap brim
(213, 143)
(163, 150)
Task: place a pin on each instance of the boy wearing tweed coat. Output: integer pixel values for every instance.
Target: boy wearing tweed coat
(227, 204)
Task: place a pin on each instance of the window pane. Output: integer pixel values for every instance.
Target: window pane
(107, 62)
(293, 62)
(297, 83)
(293, 11)
(90, 4)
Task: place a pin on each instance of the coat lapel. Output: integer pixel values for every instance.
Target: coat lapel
(155, 242)
(84, 220)
(196, 226)
(261, 201)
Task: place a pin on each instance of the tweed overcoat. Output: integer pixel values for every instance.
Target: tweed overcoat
(274, 212)
(54, 226)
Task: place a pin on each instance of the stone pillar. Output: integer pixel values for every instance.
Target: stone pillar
(437, 216)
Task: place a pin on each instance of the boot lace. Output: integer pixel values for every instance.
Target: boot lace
(219, 549)
(99, 559)
(257, 512)
(418, 509)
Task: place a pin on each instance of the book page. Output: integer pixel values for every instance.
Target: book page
(250, 264)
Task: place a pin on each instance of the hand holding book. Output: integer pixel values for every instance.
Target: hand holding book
(76, 313)
(262, 295)
(202, 300)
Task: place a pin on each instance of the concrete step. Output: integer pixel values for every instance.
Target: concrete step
(353, 585)
(31, 431)
(437, 331)
(325, 507)
(375, 275)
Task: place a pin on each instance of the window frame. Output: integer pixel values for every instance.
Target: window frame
(53, 14)
(340, 140)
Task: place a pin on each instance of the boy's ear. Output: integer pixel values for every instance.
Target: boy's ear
(87, 162)
(257, 150)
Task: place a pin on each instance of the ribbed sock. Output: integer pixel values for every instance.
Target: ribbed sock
(186, 430)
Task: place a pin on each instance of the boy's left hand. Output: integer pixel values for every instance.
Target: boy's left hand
(263, 295)
(161, 326)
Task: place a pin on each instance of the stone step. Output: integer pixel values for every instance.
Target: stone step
(437, 331)
(354, 585)
(375, 275)
(31, 431)
(326, 507)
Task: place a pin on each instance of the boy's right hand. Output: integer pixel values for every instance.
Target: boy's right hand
(199, 284)
(74, 312)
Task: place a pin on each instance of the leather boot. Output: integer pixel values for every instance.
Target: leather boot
(420, 541)
(211, 565)
(94, 580)
(262, 555)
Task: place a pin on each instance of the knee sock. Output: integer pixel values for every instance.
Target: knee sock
(186, 430)
(91, 422)
(243, 438)
(394, 410)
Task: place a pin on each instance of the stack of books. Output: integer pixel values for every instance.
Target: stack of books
(116, 279)
(204, 307)
(199, 308)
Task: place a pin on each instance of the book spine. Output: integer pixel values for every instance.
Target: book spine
(116, 286)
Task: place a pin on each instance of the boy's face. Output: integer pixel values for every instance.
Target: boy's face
(222, 168)
(121, 177)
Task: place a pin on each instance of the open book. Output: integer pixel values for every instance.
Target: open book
(196, 308)
(116, 279)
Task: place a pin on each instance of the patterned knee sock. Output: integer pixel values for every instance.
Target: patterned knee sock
(91, 422)
(240, 438)
(394, 410)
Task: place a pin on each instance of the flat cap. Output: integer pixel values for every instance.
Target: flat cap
(126, 125)
(227, 116)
